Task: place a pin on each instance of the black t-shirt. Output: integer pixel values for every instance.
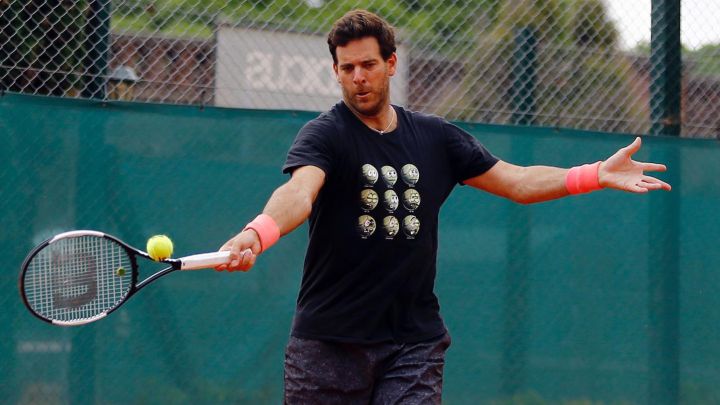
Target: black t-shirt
(369, 271)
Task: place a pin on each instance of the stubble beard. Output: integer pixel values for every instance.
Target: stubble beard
(369, 110)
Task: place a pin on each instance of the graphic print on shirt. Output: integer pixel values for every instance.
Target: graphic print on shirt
(411, 199)
(390, 201)
(411, 226)
(391, 226)
(410, 174)
(370, 175)
(370, 199)
(389, 175)
(366, 226)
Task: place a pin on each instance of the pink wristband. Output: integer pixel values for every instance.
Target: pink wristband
(267, 230)
(583, 179)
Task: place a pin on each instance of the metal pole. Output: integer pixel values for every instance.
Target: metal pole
(97, 34)
(663, 261)
(665, 67)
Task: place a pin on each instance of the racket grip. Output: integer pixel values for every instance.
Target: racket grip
(204, 260)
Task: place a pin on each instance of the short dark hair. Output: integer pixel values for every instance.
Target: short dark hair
(359, 24)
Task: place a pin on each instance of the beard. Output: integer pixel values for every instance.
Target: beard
(372, 107)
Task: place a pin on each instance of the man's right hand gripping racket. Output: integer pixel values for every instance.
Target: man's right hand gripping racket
(79, 277)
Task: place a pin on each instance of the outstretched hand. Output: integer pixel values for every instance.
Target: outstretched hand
(620, 172)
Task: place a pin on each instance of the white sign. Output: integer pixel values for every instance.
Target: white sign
(281, 70)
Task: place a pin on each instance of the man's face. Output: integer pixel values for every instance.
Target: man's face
(364, 76)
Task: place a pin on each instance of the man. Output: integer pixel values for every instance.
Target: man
(367, 327)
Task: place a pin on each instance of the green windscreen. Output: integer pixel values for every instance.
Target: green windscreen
(606, 298)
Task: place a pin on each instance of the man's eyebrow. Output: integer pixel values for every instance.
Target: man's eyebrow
(362, 62)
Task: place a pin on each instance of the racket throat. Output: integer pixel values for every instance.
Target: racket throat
(154, 277)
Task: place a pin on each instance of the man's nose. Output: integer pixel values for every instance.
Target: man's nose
(359, 76)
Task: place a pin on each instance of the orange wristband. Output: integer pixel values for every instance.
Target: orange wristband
(583, 179)
(267, 230)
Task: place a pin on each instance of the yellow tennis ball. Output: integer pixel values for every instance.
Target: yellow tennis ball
(160, 247)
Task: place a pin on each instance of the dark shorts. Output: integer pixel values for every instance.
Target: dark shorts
(320, 372)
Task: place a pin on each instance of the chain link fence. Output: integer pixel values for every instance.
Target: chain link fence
(571, 63)
(531, 322)
(547, 304)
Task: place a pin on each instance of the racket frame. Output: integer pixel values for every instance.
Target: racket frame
(193, 262)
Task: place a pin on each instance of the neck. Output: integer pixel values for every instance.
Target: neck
(382, 122)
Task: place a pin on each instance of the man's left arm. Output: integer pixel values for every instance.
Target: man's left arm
(527, 185)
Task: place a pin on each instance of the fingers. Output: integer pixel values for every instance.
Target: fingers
(656, 184)
(243, 262)
(637, 189)
(645, 166)
(239, 261)
(652, 167)
(633, 147)
(227, 246)
(223, 267)
(242, 248)
(647, 184)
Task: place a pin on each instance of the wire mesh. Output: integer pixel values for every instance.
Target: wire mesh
(557, 328)
(541, 310)
(461, 59)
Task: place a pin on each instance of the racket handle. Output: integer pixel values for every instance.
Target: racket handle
(204, 260)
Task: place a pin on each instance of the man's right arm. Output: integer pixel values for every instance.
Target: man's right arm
(289, 206)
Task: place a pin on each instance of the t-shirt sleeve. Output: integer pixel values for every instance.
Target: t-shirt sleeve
(468, 157)
(311, 147)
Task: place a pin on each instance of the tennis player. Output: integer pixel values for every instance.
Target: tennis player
(367, 327)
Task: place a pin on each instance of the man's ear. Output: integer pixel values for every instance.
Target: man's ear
(335, 69)
(392, 64)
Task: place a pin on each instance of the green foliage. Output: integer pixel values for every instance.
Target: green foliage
(433, 22)
(642, 48)
(174, 28)
(579, 65)
(589, 26)
(704, 61)
(581, 23)
(543, 16)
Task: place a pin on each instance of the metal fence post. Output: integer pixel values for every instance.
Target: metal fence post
(96, 60)
(663, 262)
(666, 67)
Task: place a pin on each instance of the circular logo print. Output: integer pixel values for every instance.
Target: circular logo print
(368, 199)
(370, 174)
(410, 174)
(390, 200)
(411, 199)
(411, 226)
(366, 226)
(389, 175)
(391, 226)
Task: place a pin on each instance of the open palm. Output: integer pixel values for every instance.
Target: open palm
(622, 173)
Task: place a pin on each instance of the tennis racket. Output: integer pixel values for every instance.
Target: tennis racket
(79, 277)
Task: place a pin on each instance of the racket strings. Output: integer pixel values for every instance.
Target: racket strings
(77, 278)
